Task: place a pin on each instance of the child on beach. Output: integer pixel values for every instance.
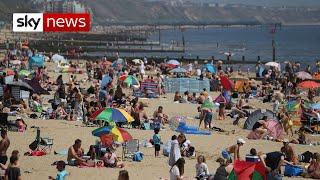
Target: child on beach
(202, 170)
(111, 160)
(156, 141)
(62, 173)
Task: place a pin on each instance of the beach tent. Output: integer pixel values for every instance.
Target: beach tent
(36, 86)
(210, 68)
(256, 116)
(275, 130)
(58, 59)
(247, 170)
(36, 61)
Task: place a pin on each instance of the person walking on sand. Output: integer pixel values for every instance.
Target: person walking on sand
(234, 149)
(4, 145)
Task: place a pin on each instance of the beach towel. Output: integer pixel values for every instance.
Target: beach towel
(61, 152)
(175, 153)
(92, 164)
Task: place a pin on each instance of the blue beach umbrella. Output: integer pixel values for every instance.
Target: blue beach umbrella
(210, 68)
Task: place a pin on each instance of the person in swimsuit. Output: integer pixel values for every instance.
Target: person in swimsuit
(4, 145)
(235, 149)
(75, 154)
(260, 127)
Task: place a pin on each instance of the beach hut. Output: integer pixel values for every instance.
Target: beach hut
(36, 61)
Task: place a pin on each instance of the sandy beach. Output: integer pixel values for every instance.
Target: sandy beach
(65, 132)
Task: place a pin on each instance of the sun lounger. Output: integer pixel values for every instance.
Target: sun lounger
(130, 148)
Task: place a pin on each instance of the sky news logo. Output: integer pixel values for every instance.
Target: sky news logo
(51, 22)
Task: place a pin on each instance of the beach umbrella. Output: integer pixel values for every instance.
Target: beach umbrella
(173, 62)
(247, 170)
(178, 70)
(112, 115)
(58, 58)
(118, 134)
(273, 64)
(303, 75)
(210, 68)
(207, 104)
(106, 79)
(24, 73)
(170, 66)
(226, 83)
(131, 80)
(308, 85)
(315, 106)
(137, 61)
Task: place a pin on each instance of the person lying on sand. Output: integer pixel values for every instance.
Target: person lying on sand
(75, 154)
(234, 149)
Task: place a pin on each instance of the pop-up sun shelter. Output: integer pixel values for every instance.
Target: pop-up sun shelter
(36, 61)
(256, 116)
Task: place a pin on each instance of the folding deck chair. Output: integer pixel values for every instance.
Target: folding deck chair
(129, 149)
(41, 143)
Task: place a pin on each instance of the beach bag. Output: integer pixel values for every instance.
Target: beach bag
(138, 156)
(291, 170)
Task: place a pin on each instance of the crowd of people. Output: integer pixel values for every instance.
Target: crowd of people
(73, 102)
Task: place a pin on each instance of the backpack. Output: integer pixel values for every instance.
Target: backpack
(138, 156)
